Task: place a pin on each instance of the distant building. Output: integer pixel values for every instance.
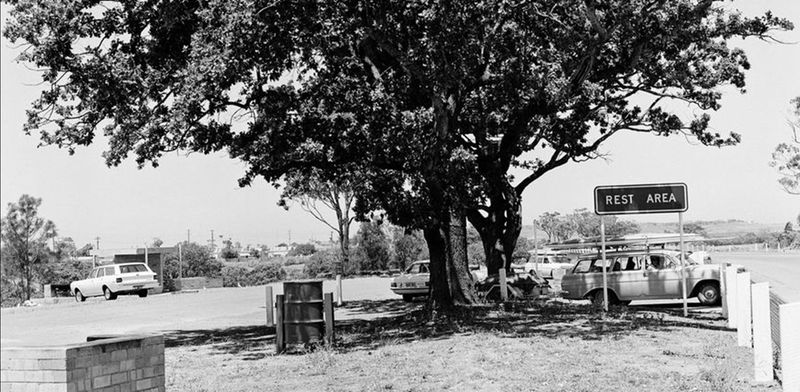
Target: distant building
(280, 251)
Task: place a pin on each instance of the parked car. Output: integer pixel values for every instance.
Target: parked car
(641, 275)
(548, 263)
(414, 282)
(113, 280)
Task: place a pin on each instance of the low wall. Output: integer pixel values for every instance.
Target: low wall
(118, 363)
(197, 283)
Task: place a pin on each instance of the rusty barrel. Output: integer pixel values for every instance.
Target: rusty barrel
(303, 311)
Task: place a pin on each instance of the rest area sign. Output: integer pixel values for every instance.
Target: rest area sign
(640, 199)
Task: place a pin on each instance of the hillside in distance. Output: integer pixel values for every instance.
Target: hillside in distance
(714, 229)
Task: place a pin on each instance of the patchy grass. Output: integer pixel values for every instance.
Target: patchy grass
(543, 347)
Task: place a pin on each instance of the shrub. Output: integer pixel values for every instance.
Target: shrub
(295, 260)
(266, 273)
(321, 264)
(234, 276)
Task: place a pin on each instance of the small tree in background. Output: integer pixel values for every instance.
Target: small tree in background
(24, 237)
(197, 261)
(374, 249)
(408, 247)
(786, 156)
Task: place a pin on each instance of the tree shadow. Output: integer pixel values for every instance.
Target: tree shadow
(372, 324)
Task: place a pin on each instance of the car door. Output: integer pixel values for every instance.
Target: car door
(85, 285)
(96, 287)
(631, 281)
(663, 277)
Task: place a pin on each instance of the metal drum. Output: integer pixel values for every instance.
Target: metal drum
(303, 312)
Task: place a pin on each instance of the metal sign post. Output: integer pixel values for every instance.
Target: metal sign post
(535, 248)
(683, 266)
(605, 270)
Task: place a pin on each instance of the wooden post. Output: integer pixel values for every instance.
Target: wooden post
(762, 333)
(744, 320)
(270, 308)
(503, 285)
(328, 308)
(280, 344)
(338, 289)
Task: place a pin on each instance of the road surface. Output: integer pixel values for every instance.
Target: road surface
(781, 270)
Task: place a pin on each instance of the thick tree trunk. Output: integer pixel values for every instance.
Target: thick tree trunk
(500, 230)
(451, 280)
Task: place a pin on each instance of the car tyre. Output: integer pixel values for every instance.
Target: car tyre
(597, 298)
(79, 296)
(408, 297)
(108, 294)
(709, 294)
(143, 293)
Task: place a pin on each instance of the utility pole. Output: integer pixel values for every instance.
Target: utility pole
(97, 241)
(188, 236)
(212, 240)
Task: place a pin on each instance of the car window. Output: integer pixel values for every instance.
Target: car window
(659, 262)
(93, 274)
(630, 263)
(423, 268)
(125, 269)
(583, 266)
(413, 269)
(100, 272)
(109, 271)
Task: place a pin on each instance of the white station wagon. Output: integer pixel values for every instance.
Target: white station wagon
(112, 280)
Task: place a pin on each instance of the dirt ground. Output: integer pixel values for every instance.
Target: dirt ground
(533, 347)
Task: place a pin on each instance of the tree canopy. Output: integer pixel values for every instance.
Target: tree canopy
(433, 102)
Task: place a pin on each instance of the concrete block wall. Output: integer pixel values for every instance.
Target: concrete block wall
(114, 364)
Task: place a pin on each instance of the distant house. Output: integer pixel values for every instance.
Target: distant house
(280, 251)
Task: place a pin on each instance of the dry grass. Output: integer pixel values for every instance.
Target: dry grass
(554, 347)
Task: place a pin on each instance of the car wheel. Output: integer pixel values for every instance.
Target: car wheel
(709, 294)
(408, 297)
(597, 298)
(79, 296)
(143, 293)
(108, 294)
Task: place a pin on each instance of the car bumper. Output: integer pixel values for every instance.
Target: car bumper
(410, 290)
(135, 287)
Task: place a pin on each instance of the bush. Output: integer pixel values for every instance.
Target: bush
(234, 276)
(265, 273)
(321, 264)
(295, 260)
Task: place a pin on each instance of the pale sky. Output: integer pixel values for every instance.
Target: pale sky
(128, 207)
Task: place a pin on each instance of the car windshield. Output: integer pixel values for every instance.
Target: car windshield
(124, 269)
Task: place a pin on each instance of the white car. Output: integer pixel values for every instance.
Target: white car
(549, 262)
(112, 280)
(415, 282)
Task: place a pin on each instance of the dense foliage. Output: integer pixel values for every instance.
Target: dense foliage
(582, 223)
(432, 102)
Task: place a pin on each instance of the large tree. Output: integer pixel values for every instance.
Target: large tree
(24, 237)
(433, 101)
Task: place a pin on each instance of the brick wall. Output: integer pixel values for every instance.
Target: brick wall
(109, 364)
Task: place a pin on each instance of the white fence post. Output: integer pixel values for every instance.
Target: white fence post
(743, 322)
(790, 346)
(730, 285)
(762, 334)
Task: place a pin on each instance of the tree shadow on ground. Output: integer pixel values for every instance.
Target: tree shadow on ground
(400, 322)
